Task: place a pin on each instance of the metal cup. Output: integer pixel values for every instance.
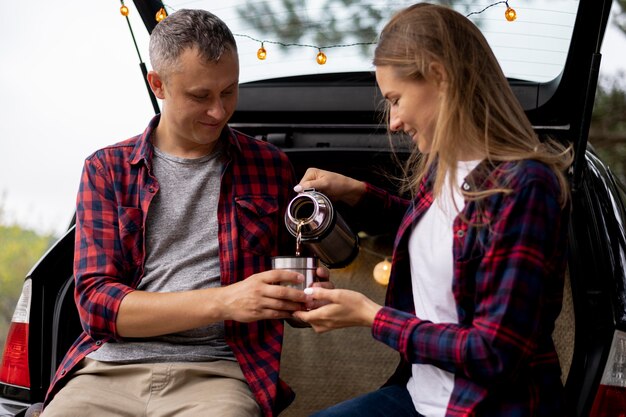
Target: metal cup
(305, 265)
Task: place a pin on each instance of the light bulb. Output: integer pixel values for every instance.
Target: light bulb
(261, 53)
(124, 10)
(160, 14)
(381, 272)
(510, 14)
(321, 58)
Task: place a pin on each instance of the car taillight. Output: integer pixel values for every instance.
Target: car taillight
(610, 400)
(14, 369)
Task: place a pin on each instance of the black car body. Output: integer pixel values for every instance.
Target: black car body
(332, 121)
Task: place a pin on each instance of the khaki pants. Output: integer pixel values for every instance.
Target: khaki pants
(155, 390)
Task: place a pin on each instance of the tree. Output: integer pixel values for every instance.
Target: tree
(21, 249)
(608, 124)
(341, 21)
(329, 23)
(620, 16)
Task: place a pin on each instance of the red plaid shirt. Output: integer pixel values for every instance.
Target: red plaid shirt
(507, 284)
(115, 192)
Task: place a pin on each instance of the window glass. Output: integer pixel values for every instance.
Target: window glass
(531, 47)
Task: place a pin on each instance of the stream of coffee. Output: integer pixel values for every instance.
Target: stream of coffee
(299, 237)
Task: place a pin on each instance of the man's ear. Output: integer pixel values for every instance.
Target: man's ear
(156, 84)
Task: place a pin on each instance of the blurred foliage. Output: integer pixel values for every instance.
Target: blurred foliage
(338, 22)
(19, 251)
(620, 16)
(291, 25)
(608, 124)
(343, 21)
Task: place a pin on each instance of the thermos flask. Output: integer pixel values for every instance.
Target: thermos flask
(311, 218)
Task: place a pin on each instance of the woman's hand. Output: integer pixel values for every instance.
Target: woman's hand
(335, 186)
(323, 281)
(343, 308)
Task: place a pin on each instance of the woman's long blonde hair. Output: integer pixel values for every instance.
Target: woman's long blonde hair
(478, 111)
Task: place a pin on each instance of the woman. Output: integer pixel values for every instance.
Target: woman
(479, 257)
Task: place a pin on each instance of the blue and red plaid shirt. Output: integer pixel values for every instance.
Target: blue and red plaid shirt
(507, 284)
(115, 192)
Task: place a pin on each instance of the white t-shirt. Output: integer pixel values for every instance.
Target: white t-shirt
(430, 251)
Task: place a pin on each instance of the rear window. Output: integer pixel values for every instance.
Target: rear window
(532, 47)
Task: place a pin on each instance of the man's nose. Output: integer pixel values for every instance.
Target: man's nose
(216, 109)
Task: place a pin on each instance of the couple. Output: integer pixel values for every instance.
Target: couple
(176, 228)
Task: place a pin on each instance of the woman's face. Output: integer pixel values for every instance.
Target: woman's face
(413, 105)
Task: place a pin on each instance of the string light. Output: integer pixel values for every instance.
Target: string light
(510, 15)
(321, 57)
(161, 14)
(261, 53)
(144, 71)
(382, 271)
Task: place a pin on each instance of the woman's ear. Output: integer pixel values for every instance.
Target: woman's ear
(438, 73)
(156, 84)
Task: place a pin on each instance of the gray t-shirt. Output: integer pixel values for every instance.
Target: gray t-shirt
(182, 253)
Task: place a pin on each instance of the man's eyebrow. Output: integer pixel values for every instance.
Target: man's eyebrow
(197, 90)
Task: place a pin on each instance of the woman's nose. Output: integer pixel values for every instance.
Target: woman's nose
(395, 124)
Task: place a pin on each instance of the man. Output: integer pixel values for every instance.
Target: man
(175, 228)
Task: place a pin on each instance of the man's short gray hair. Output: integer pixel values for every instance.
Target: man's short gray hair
(186, 29)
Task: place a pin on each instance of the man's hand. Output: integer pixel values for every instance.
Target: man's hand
(259, 298)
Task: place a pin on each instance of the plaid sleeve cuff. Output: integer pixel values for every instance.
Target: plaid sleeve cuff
(393, 328)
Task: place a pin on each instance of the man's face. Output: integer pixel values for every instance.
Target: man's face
(198, 100)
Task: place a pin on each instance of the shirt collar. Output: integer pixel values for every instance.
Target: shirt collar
(483, 176)
(479, 178)
(143, 148)
(231, 139)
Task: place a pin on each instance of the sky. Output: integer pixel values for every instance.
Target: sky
(70, 83)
